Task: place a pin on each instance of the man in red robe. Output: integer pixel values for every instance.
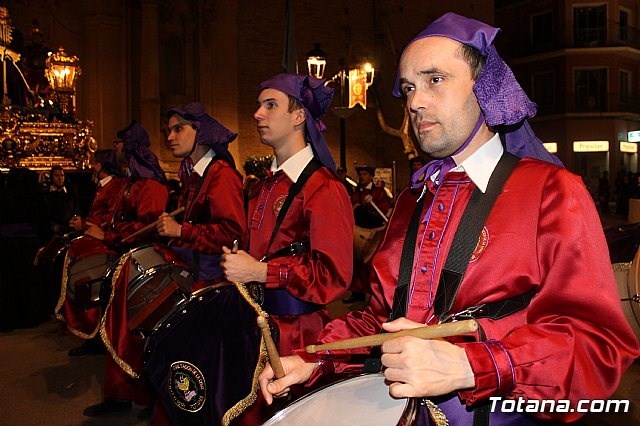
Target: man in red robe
(541, 254)
(301, 253)
(214, 216)
(143, 199)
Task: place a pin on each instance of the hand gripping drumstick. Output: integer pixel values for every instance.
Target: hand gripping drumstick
(429, 332)
(272, 351)
(151, 225)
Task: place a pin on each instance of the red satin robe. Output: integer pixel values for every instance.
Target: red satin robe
(84, 323)
(571, 342)
(213, 219)
(322, 213)
(142, 203)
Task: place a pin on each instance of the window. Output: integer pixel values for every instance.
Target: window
(590, 88)
(542, 29)
(589, 26)
(624, 25)
(624, 86)
(543, 92)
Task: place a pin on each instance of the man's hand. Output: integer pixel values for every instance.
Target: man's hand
(295, 370)
(242, 267)
(75, 223)
(94, 231)
(423, 368)
(168, 227)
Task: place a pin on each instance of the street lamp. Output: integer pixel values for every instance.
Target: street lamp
(316, 61)
(62, 71)
(356, 80)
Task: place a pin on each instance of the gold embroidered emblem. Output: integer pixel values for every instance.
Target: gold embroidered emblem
(483, 241)
(277, 205)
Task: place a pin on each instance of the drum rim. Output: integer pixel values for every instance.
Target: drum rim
(322, 388)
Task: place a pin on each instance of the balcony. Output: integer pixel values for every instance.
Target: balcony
(609, 104)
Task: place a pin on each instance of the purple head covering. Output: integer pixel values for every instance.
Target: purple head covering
(315, 98)
(208, 130)
(143, 163)
(108, 161)
(504, 104)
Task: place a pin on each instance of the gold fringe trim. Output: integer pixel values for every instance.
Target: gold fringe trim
(103, 331)
(63, 298)
(247, 401)
(439, 418)
(621, 267)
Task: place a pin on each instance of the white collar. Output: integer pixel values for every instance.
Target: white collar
(202, 164)
(104, 181)
(55, 189)
(295, 164)
(481, 164)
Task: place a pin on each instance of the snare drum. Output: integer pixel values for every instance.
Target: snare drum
(366, 241)
(156, 288)
(87, 269)
(360, 400)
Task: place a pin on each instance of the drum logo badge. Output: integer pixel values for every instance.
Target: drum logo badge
(483, 241)
(187, 386)
(277, 205)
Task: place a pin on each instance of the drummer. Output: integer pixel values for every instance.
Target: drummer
(538, 278)
(140, 202)
(84, 323)
(305, 245)
(363, 199)
(211, 193)
(212, 196)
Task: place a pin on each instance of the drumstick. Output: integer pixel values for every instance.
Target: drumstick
(379, 211)
(428, 332)
(151, 225)
(272, 351)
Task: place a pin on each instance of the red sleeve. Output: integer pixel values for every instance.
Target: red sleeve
(574, 342)
(322, 274)
(146, 201)
(219, 216)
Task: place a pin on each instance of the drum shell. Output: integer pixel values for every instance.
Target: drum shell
(156, 287)
(217, 335)
(89, 263)
(366, 241)
(628, 280)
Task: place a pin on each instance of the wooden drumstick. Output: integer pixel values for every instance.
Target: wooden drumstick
(272, 351)
(385, 218)
(429, 332)
(151, 225)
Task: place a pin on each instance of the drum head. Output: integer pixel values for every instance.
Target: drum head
(361, 400)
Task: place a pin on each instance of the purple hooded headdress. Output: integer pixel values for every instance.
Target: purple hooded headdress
(504, 104)
(208, 130)
(143, 163)
(315, 98)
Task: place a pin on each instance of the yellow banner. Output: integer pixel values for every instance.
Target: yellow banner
(357, 88)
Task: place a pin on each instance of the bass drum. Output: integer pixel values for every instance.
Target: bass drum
(360, 400)
(628, 279)
(205, 358)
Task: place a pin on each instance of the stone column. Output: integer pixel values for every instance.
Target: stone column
(104, 98)
(149, 49)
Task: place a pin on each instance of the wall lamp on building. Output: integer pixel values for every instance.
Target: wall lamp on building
(354, 83)
(62, 71)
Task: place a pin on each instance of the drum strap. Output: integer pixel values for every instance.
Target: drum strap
(294, 190)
